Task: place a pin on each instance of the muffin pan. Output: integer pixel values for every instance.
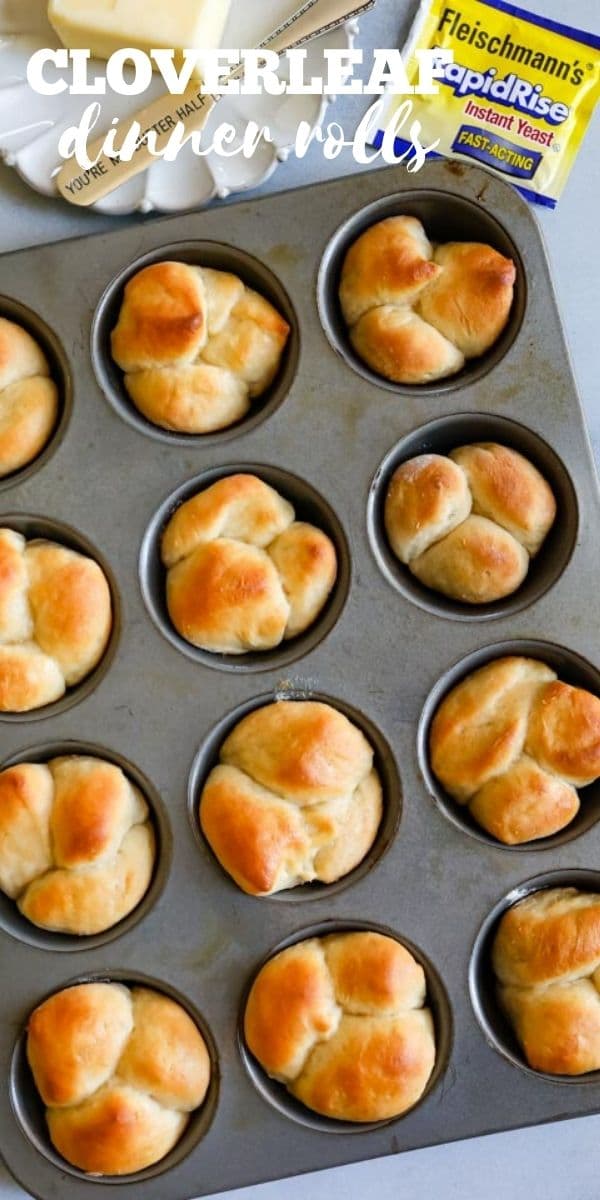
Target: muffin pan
(321, 436)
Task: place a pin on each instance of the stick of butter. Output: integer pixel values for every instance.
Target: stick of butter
(104, 26)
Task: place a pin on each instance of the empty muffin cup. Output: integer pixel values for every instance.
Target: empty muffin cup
(57, 370)
(28, 1107)
(440, 437)
(495, 1025)
(214, 256)
(446, 218)
(309, 506)
(571, 669)
(208, 757)
(14, 923)
(34, 528)
(436, 1000)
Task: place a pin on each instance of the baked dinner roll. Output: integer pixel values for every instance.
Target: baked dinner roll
(513, 743)
(342, 1022)
(546, 958)
(119, 1070)
(242, 573)
(196, 345)
(55, 620)
(416, 313)
(295, 798)
(77, 847)
(28, 399)
(467, 524)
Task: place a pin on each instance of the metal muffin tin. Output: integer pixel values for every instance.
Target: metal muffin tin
(327, 433)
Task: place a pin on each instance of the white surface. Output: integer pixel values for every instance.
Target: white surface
(30, 124)
(555, 1162)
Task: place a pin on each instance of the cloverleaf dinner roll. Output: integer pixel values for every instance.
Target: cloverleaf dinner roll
(546, 957)
(119, 1070)
(513, 743)
(55, 620)
(342, 1022)
(468, 523)
(77, 847)
(196, 346)
(416, 313)
(28, 399)
(242, 573)
(295, 798)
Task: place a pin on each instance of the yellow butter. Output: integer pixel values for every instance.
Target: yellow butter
(104, 26)
(518, 96)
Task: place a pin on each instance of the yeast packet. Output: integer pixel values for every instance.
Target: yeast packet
(517, 97)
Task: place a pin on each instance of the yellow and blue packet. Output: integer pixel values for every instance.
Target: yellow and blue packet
(517, 98)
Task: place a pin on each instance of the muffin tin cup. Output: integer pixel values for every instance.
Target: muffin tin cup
(482, 987)
(17, 926)
(28, 1107)
(441, 437)
(446, 217)
(33, 527)
(384, 762)
(60, 372)
(277, 1095)
(218, 256)
(374, 653)
(571, 668)
(309, 506)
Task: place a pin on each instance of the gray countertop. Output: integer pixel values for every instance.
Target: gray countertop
(552, 1162)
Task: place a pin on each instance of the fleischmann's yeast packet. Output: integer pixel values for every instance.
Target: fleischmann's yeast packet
(517, 98)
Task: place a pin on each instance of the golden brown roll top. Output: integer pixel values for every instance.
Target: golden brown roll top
(398, 344)
(427, 498)
(479, 729)
(507, 488)
(55, 620)
(564, 733)
(416, 313)
(524, 804)
(466, 524)
(28, 398)
(77, 847)
(196, 346)
(162, 320)
(477, 563)
(553, 936)
(242, 573)
(341, 1021)
(513, 742)
(546, 957)
(469, 299)
(295, 798)
(119, 1071)
(390, 263)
